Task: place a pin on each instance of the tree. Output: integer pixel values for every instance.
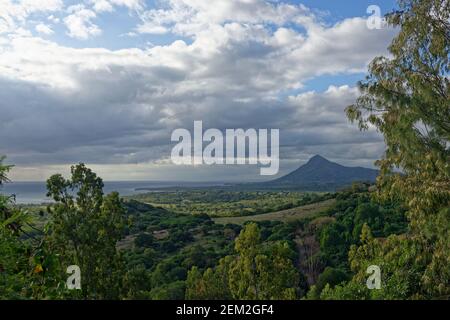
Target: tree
(171, 291)
(13, 253)
(145, 240)
(332, 277)
(328, 279)
(400, 263)
(406, 97)
(212, 284)
(243, 277)
(85, 228)
(278, 279)
(334, 243)
(194, 285)
(256, 274)
(136, 283)
(27, 268)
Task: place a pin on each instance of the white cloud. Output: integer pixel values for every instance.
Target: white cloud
(130, 4)
(189, 17)
(53, 19)
(108, 5)
(79, 22)
(13, 15)
(102, 5)
(44, 29)
(152, 27)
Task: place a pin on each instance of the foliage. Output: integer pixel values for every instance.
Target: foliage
(256, 272)
(27, 268)
(353, 210)
(85, 229)
(406, 98)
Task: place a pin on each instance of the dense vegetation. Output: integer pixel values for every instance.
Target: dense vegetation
(162, 246)
(317, 247)
(406, 97)
(132, 249)
(168, 255)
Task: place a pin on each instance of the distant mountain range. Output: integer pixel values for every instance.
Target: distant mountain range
(321, 174)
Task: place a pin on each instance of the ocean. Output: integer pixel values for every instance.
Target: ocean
(35, 192)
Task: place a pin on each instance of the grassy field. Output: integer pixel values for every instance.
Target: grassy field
(221, 203)
(305, 211)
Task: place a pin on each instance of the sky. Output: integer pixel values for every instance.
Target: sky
(105, 82)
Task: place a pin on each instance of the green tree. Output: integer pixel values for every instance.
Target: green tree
(244, 275)
(136, 283)
(334, 243)
(14, 266)
(194, 285)
(212, 284)
(27, 268)
(392, 256)
(255, 274)
(278, 278)
(144, 240)
(171, 291)
(406, 97)
(85, 227)
(330, 276)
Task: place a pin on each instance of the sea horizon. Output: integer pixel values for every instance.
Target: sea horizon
(34, 192)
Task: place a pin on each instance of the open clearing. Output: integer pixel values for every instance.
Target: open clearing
(283, 215)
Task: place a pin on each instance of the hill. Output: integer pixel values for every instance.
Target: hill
(321, 174)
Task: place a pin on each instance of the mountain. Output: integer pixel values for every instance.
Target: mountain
(321, 174)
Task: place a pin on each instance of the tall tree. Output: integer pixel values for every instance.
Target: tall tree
(256, 272)
(13, 253)
(85, 228)
(244, 274)
(406, 97)
(259, 272)
(27, 269)
(213, 284)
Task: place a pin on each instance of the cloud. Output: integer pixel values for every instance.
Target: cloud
(44, 29)
(79, 22)
(53, 19)
(14, 15)
(244, 67)
(108, 5)
(130, 4)
(101, 5)
(190, 17)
